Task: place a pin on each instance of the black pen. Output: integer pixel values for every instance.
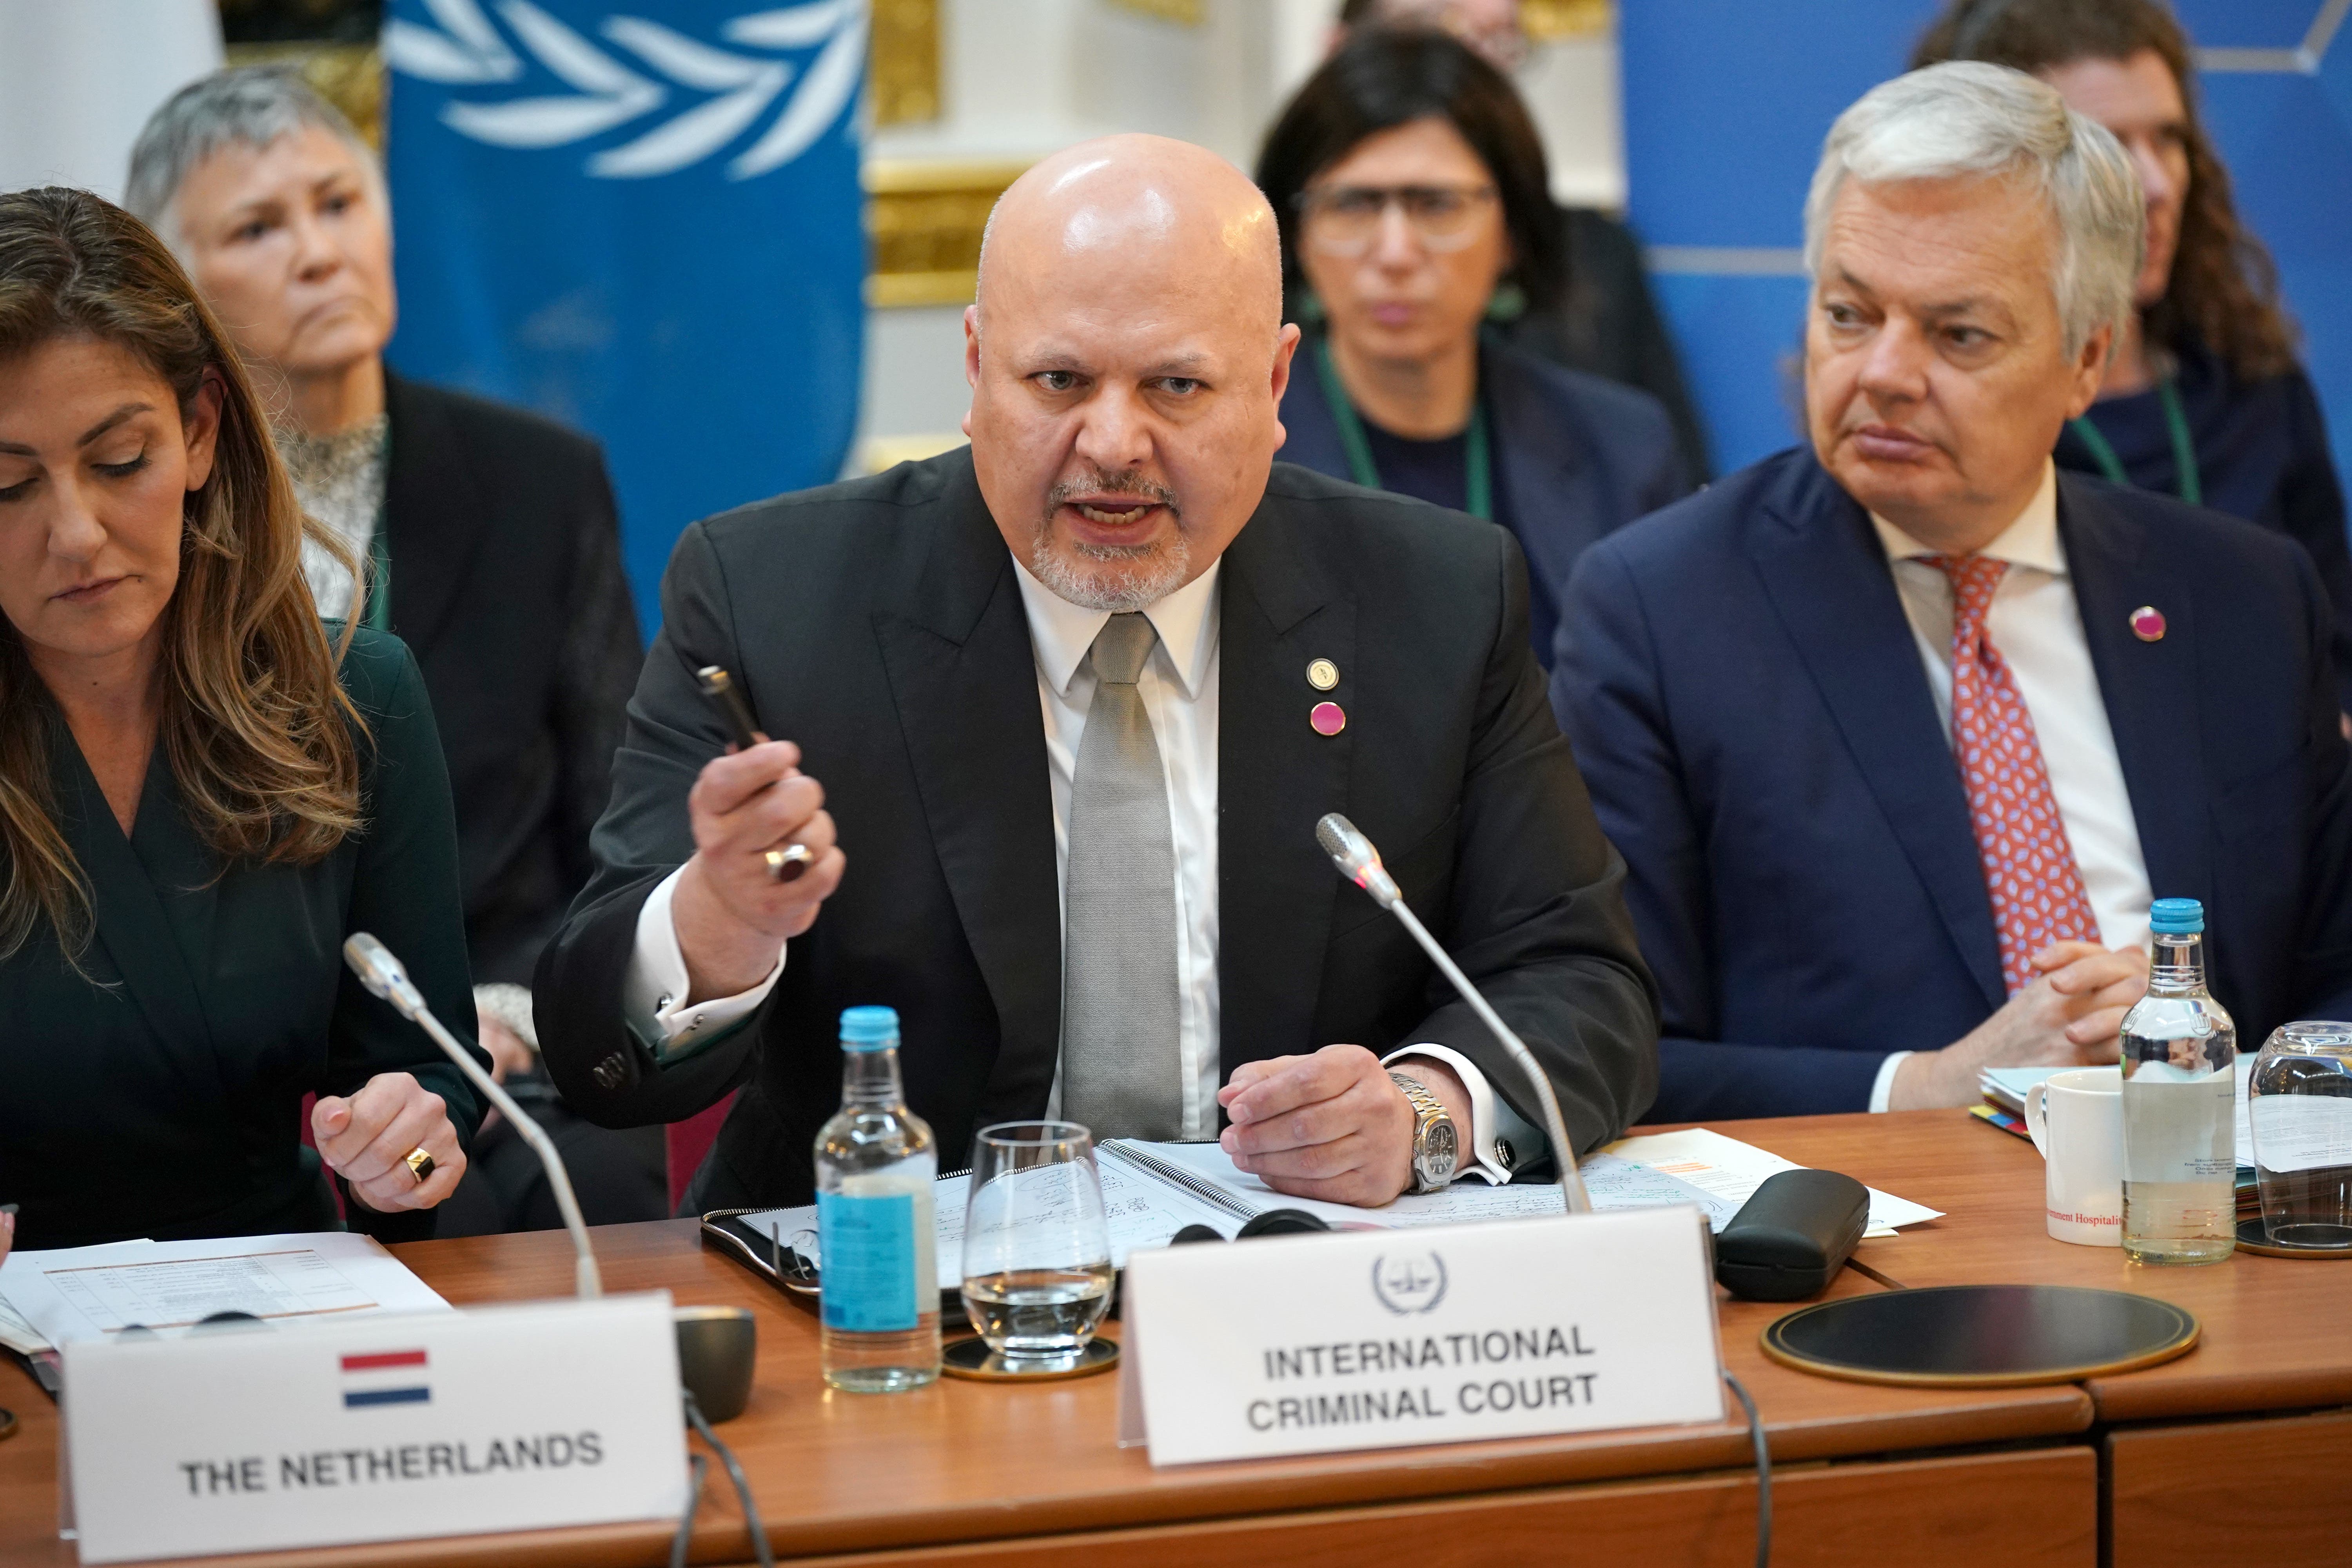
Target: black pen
(720, 686)
(786, 862)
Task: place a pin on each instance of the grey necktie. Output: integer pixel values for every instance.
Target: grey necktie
(1120, 1071)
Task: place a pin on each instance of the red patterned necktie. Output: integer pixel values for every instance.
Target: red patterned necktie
(2029, 867)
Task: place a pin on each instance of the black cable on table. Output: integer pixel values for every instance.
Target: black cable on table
(760, 1547)
(1763, 1474)
(685, 1536)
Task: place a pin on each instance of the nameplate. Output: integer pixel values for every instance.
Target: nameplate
(1378, 1340)
(376, 1428)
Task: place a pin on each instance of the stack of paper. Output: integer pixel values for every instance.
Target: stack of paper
(1153, 1190)
(18, 1334)
(1732, 1171)
(57, 1297)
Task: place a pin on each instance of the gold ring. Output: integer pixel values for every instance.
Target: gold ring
(789, 863)
(420, 1164)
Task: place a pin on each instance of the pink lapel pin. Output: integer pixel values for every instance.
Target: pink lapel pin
(1328, 718)
(2147, 623)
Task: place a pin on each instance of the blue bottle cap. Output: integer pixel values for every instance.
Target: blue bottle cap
(869, 1028)
(2175, 917)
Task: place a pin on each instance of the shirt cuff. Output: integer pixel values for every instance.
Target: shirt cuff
(1882, 1088)
(1500, 1137)
(652, 993)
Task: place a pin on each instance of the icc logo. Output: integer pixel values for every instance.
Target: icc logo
(1414, 1283)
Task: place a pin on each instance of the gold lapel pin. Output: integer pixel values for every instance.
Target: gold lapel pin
(2148, 624)
(1328, 718)
(1322, 675)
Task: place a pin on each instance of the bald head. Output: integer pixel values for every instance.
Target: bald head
(1102, 203)
(1125, 402)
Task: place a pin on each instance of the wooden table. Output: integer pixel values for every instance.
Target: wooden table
(2276, 1352)
(979, 1475)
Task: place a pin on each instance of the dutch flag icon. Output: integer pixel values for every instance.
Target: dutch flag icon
(385, 1377)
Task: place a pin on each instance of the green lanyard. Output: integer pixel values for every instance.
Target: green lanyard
(379, 579)
(2184, 447)
(1480, 502)
(377, 612)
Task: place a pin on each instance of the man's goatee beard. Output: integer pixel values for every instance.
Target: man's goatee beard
(1133, 575)
(1129, 577)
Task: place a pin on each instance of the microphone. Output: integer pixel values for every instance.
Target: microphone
(1360, 864)
(385, 976)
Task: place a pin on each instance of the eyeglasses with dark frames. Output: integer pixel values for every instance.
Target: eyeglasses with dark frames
(1345, 220)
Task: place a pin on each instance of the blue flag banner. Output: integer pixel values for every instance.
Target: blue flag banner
(641, 217)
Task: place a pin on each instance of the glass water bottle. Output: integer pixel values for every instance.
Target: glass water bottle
(2179, 1069)
(876, 1269)
(2299, 1104)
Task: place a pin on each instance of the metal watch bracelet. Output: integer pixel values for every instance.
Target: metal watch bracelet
(1436, 1142)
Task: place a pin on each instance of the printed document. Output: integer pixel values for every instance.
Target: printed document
(1150, 1191)
(92, 1292)
(1732, 1171)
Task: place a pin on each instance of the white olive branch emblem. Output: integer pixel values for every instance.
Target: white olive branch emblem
(647, 71)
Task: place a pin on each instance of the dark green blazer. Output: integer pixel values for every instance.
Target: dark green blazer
(160, 1096)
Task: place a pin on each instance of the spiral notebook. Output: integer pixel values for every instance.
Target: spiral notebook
(1152, 1191)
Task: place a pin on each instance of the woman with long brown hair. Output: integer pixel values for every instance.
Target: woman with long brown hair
(203, 790)
(2203, 398)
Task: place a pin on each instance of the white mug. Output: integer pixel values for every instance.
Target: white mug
(2076, 1119)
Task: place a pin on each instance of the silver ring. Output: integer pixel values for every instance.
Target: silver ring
(789, 863)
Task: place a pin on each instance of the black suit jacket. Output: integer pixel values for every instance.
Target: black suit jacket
(507, 584)
(879, 624)
(1747, 697)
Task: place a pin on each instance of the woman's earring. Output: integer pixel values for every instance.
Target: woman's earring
(1507, 303)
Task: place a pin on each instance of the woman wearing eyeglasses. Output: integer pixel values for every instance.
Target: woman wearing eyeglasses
(1412, 198)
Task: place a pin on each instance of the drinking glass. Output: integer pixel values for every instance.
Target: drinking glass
(1036, 1246)
(2300, 1104)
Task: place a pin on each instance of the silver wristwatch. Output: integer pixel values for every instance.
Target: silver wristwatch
(1436, 1145)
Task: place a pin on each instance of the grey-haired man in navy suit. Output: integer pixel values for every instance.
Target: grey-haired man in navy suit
(1901, 732)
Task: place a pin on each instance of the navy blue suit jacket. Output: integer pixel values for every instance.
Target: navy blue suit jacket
(1575, 457)
(1748, 707)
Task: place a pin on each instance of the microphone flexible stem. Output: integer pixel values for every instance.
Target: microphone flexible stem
(1563, 1153)
(586, 1280)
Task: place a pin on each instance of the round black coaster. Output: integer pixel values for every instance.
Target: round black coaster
(972, 1358)
(2253, 1237)
(1983, 1336)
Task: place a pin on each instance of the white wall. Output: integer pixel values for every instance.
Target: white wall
(1572, 88)
(1022, 78)
(914, 377)
(80, 78)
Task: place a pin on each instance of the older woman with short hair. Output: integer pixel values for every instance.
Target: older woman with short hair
(204, 790)
(1410, 186)
(487, 534)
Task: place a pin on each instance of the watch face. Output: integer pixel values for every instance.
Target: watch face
(1440, 1151)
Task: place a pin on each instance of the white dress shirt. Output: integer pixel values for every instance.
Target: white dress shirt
(1179, 687)
(2035, 624)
